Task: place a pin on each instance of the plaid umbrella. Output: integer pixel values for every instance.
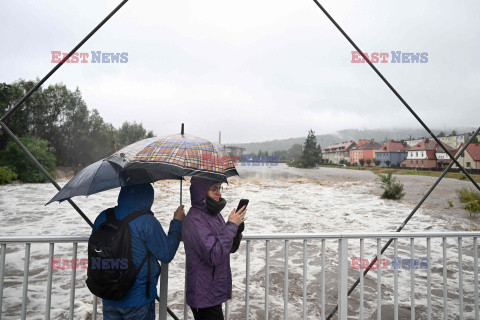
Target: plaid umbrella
(180, 155)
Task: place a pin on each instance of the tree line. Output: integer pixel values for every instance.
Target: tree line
(57, 126)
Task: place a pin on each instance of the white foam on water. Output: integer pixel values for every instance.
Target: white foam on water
(282, 200)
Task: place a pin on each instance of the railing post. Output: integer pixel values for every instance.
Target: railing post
(185, 306)
(162, 309)
(2, 275)
(25, 281)
(342, 278)
(49, 281)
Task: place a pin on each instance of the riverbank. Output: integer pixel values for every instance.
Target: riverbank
(399, 171)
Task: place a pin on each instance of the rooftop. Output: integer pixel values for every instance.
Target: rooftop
(394, 146)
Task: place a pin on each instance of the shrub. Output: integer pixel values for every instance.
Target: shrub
(7, 175)
(473, 206)
(466, 195)
(471, 198)
(392, 189)
(15, 159)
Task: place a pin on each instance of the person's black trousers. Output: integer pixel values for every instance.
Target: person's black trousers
(210, 313)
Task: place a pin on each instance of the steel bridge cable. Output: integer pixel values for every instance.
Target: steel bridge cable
(460, 152)
(398, 95)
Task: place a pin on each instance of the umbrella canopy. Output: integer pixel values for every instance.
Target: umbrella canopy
(180, 155)
(105, 175)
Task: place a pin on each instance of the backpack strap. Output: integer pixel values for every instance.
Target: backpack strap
(110, 215)
(132, 216)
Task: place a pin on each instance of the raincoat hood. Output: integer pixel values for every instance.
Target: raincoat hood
(133, 198)
(198, 191)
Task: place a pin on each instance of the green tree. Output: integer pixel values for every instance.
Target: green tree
(14, 158)
(281, 154)
(295, 151)
(17, 121)
(361, 161)
(311, 151)
(131, 132)
(7, 175)
(77, 135)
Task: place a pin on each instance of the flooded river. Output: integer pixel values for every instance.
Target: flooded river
(282, 200)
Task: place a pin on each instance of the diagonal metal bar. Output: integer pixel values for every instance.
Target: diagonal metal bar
(58, 65)
(42, 169)
(460, 152)
(398, 95)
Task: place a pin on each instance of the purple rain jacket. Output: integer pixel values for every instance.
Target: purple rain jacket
(208, 242)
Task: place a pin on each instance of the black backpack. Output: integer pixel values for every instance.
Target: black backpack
(111, 271)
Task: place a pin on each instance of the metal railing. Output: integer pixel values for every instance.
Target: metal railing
(320, 262)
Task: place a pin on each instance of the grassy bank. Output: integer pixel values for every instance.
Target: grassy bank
(452, 175)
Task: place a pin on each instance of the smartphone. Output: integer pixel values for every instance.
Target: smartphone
(243, 202)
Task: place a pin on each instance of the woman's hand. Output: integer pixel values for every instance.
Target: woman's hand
(179, 213)
(238, 217)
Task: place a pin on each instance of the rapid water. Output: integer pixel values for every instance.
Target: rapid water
(282, 200)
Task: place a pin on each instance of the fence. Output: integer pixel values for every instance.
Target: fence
(291, 273)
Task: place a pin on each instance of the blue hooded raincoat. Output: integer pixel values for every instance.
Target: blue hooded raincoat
(146, 234)
(208, 243)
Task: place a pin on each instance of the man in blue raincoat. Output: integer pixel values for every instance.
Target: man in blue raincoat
(146, 234)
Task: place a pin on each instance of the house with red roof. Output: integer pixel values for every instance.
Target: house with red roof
(364, 151)
(392, 153)
(338, 152)
(442, 157)
(425, 153)
(470, 159)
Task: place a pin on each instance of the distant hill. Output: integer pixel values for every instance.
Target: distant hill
(379, 135)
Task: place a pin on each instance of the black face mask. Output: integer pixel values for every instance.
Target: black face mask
(214, 207)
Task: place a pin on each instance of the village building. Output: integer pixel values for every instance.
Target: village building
(424, 155)
(392, 153)
(413, 142)
(366, 151)
(470, 159)
(442, 157)
(339, 152)
(455, 141)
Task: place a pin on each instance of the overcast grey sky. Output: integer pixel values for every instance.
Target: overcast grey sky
(256, 70)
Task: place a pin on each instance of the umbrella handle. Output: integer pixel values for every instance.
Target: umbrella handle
(181, 182)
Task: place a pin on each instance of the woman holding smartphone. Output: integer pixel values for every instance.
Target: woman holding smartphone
(208, 242)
